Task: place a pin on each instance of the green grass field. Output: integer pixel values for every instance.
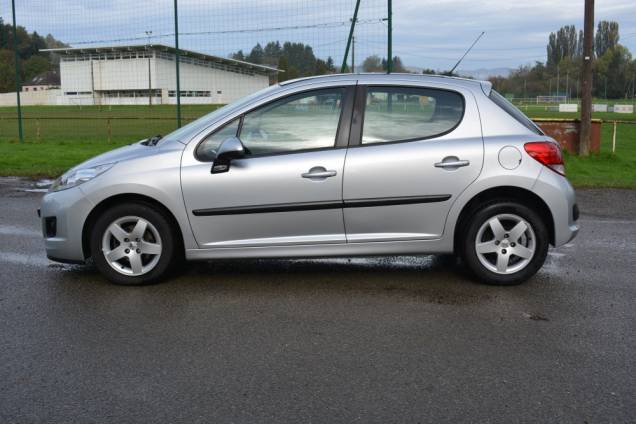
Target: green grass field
(59, 137)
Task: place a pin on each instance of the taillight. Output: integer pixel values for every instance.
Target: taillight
(547, 153)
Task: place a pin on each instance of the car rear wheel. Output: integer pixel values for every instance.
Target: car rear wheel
(505, 243)
(133, 244)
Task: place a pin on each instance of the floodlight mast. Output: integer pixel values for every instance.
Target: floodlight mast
(467, 51)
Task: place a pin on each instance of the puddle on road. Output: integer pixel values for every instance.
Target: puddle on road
(24, 185)
(35, 261)
(34, 190)
(406, 262)
(40, 186)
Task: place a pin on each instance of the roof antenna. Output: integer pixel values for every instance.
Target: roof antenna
(467, 51)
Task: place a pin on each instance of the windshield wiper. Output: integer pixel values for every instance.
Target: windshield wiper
(152, 141)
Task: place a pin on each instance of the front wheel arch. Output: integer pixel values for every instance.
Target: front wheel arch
(506, 193)
(121, 199)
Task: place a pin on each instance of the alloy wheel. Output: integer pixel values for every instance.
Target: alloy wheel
(505, 243)
(131, 245)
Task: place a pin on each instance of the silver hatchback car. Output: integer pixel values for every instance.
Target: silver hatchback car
(340, 165)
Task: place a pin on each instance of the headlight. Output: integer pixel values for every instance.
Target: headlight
(75, 177)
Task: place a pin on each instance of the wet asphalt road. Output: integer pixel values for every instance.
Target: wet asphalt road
(408, 339)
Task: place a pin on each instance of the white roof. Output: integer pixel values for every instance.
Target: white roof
(162, 47)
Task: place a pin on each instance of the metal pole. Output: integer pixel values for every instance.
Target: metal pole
(93, 83)
(176, 45)
(586, 80)
(18, 86)
(614, 139)
(353, 54)
(149, 33)
(389, 61)
(353, 25)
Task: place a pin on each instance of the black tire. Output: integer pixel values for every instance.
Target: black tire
(481, 215)
(170, 243)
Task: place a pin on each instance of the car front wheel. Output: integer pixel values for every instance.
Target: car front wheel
(505, 243)
(133, 244)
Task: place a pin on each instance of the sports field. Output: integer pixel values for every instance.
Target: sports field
(58, 137)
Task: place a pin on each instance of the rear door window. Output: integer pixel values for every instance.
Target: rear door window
(409, 113)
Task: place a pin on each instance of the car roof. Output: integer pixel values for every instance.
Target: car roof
(362, 77)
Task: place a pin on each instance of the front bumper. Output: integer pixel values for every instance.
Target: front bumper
(69, 208)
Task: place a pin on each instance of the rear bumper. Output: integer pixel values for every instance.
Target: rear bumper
(559, 195)
(69, 208)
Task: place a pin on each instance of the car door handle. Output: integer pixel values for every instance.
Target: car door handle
(452, 162)
(318, 172)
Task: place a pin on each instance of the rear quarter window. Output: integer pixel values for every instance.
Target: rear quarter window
(512, 110)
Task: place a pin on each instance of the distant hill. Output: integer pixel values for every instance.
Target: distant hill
(485, 73)
(480, 74)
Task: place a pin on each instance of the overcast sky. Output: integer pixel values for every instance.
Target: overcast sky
(427, 33)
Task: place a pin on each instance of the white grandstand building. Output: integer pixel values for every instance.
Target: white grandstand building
(143, 74)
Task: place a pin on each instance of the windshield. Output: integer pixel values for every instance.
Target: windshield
(512, 110)
(186, 132)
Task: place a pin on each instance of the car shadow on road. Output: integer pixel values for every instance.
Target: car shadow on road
(439, 279)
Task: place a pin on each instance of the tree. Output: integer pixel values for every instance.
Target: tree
(32, 60)
(606, 37)
(35, 65)
(330, 65)
(376, 64)
(397, 65)
(256, 55)
(271, 53)
(564, 43)
(283, 65)
(239, 55)
(613, 72)
(614, 68)
(7, 71)
(372, 64)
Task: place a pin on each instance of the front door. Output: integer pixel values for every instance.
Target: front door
(287, 189)
(412, 153)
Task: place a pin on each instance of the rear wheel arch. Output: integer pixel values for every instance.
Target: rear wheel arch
(504, 193)
(122, 199)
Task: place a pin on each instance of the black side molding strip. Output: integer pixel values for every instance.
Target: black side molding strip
(276, 207)
(313, 206)
(389, 201)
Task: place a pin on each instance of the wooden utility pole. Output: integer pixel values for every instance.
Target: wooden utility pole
(586, 80)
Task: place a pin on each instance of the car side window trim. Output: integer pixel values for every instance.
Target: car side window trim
(359, 112)
(197, 150)
(342, 133)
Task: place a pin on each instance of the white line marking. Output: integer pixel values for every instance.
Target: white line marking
(13, 230)
(22, 259)
(607, 221)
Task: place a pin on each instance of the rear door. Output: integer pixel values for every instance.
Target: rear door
(413, 150)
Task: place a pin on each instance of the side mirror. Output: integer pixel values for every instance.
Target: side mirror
(230, 149)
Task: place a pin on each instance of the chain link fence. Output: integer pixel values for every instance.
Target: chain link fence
(119, 71)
